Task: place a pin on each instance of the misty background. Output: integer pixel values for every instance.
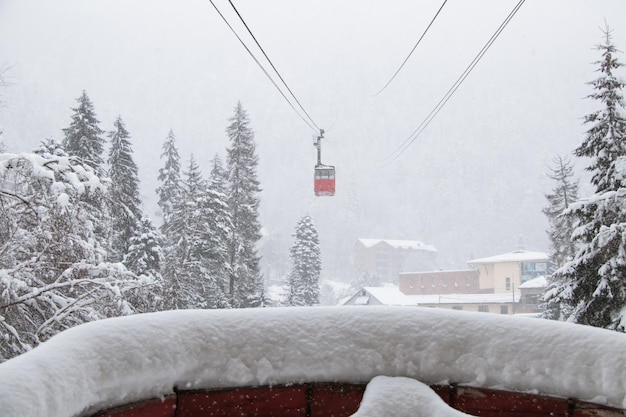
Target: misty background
(472, 184)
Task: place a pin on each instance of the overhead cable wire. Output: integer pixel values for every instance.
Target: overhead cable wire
(412, 50)
(272, 64)
(418, 131)
(312, 126)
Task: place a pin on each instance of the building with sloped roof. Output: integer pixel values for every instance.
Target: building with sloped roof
(462, 281)
(388, 295)
(509, 283)
(386, 258)
(506, 272)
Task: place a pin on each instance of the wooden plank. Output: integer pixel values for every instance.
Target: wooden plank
(585, 409)
(150, 408)
(343, 400)
(336, 400)
(492, 403)
(446, 392)
(244, 402)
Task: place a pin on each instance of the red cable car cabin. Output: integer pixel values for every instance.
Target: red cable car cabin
(324, 182)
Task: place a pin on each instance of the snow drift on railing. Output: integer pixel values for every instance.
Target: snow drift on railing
(115, 361)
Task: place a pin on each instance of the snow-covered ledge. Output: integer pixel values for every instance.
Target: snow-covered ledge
(117, 361)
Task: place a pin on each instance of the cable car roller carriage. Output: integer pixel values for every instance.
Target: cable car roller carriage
(324, 180)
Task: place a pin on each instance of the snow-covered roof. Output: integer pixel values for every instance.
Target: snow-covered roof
(499, 298)
(388, 295)
(121, 360)
(399, 244)
(439, 272)
(539, 282)
(515, 256)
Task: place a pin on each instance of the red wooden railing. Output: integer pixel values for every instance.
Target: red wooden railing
(342, 400)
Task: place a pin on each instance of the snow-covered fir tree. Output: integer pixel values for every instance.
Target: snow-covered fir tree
(245, 281)
(51, 271)
(304, 287)
(196, 245)
(561, 225)
(180, 268)
(144, 258)
(144, 253)
(591, 289)
(83, 138)
(210, 227)
(50, 147)
(218, 230)
(123, 193)
(169, 189)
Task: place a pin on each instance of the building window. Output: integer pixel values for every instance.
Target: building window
(382, 263)
(531, 299)
(507, 283)
(504, 309)
(457, 307)
(532, 270)
(483, 309)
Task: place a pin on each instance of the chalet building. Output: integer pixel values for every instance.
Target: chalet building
(387, 258)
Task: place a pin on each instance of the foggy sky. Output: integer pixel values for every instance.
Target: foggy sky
(472, 185)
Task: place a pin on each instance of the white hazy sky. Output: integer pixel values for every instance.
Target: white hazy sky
(470, 185)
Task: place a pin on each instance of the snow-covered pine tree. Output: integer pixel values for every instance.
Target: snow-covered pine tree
(169, 176)
(304, 287)
(219, 176)
(218, 230)
(245, 282)
(561, 225)
(83, 138)
(50, 147)
(169, 192)
(123, 193)
(195, 258)
(591, 289)
(180, 267)
(144, 253)
(144, 258)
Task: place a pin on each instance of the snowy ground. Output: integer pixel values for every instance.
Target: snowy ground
(116, 361)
